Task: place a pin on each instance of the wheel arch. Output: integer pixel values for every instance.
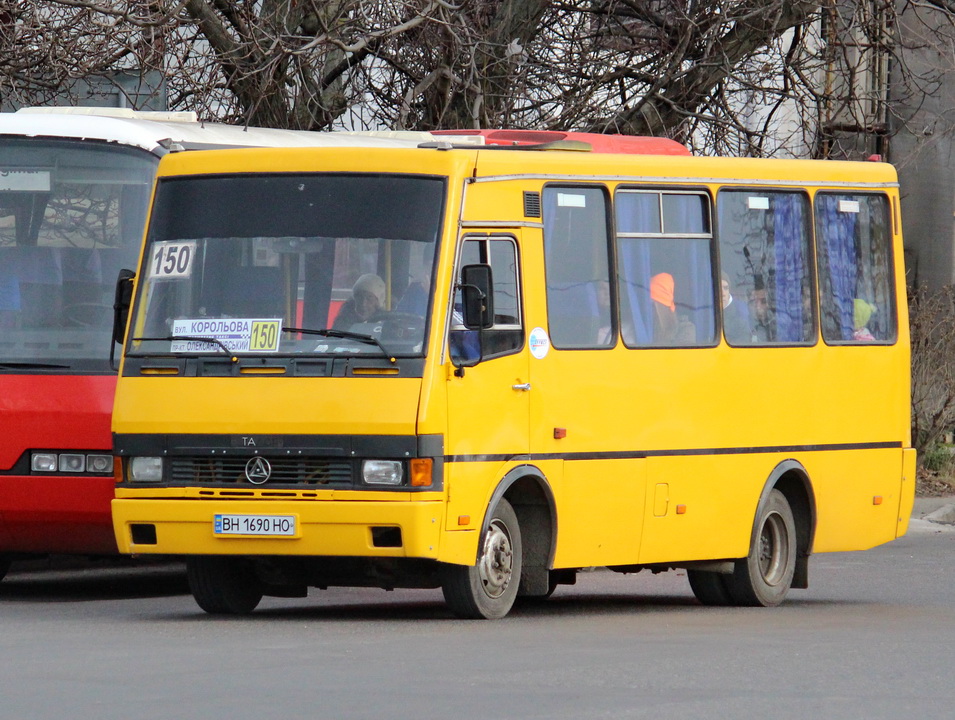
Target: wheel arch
(792, 479)
(526, 488)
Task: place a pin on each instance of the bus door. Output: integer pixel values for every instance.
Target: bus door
(488, 392)
(585, 403)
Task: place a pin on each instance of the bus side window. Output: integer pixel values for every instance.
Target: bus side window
(854, 245)
(765, 262)
(664, 256)
(577, 257)
(506, 336)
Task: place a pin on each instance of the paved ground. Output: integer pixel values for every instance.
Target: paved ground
(927, 505)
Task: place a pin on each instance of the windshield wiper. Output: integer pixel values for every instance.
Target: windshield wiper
(344, 334)
(192, 338)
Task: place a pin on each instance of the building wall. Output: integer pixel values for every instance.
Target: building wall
(146, 91)
(923, 149)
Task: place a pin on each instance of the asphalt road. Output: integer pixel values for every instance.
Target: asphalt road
(873, 637)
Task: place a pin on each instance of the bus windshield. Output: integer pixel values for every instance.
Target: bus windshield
(71, 215)
(284, 264)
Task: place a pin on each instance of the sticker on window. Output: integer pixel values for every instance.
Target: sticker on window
(24, 180)
(171, 259)
(236, 334)
(756, 202)
(571, 200)
(849, 206)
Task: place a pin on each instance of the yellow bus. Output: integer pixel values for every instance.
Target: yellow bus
(486, 368)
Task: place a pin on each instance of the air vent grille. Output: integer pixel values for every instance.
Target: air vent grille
(284, 471)
(532, 204)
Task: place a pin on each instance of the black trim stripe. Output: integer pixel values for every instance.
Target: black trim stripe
(641, 454)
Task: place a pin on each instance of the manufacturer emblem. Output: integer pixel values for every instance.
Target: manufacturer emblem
(258, 470)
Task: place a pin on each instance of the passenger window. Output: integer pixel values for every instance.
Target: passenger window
(506, 335)
(577, 258)
(854, 240)
(664, 269)
(766, 280)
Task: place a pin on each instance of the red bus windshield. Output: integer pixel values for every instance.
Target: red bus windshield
(71, 215)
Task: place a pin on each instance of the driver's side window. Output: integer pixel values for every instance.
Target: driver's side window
(506, 335)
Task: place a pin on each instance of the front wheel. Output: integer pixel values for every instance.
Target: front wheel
(764, 577)
(223, 585)
(488, 589)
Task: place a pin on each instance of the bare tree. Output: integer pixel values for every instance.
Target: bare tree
(932, 321)
(747, 77)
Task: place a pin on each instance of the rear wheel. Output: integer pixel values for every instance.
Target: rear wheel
(764, 577)
(488, 589)
(223, 585)
(709, 587)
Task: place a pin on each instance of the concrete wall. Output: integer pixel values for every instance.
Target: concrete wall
(923, 149)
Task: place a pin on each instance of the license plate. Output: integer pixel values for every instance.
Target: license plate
(268, 525)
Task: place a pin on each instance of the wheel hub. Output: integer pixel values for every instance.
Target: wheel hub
(497, 560)
(773, 549)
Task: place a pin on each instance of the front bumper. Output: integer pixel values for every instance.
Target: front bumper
(355, 528)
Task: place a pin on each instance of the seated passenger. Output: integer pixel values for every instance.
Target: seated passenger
(736, 322)
(414, 301)
(764, 319)
(365, 304)
(862, 312)
(668, 328)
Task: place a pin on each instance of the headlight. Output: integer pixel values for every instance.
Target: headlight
(145, 469)
(100, 464)
(43, 462)
(382, 472)
(72, 463)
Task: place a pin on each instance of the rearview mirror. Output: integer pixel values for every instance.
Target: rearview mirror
(121, 303)
(478, 296)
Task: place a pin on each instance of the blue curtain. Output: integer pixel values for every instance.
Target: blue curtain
(637, 213)
(788, 243)
(635, 283)
(701, 291)
(838, 231)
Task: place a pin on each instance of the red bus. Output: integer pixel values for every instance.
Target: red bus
(75, 186)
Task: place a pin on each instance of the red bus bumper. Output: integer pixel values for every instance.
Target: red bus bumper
(56, 515)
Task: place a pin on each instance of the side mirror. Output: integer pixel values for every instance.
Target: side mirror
(478, 296)
(121, 302)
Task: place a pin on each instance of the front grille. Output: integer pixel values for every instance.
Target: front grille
(285, 471)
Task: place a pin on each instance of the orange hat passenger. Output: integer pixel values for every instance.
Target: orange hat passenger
(661, 290)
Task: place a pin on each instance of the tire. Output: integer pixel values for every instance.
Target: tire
(5, 562)
(710, 588)
(223, 585)
(488, 589)
(764, 577)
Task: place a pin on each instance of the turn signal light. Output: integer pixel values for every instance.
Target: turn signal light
(421, 472)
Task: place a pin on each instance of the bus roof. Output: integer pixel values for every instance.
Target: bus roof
(158, 132)
(483, 165)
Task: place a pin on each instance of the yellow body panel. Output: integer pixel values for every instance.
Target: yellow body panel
(697, 432)
(907, 494)
(331, 406)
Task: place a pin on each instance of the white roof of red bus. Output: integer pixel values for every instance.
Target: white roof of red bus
(155, 131)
